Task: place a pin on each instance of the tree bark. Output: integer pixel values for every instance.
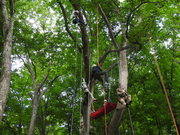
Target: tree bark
(7, 49)
(34, 113)
(123, 74)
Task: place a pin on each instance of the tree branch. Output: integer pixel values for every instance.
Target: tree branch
(112, 66)
(109, 26)
(87, 21)
(177, 61)
(31, 72)
(9, 126)
(66, 23)
(45, 78)
(50, 84)
(116, 50)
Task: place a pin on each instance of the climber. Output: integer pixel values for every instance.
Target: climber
(75, 18)
(123, 97)
(84, 86)
(105, 102)
(97, 72)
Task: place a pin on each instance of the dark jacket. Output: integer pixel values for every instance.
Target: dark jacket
(96, 69)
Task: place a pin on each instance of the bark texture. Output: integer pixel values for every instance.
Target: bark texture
(7, 49)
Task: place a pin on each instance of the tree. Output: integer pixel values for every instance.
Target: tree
(122, 29)
(8, 25)
(134, 25)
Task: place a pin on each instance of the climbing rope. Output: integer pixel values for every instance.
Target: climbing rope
(163, 84)
(131, 121)
(80, 97)
(105, 113)
(103, 80)
(74, 83)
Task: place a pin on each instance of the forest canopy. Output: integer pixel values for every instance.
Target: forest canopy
(51, 56)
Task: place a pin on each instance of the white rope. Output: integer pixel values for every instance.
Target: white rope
(80, 97)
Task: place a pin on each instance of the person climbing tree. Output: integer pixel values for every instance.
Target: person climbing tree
(97, 72)
(75, 18)
(123, 97)
(105, 102)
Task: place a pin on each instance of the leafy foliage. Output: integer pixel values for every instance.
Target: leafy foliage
(40, 32)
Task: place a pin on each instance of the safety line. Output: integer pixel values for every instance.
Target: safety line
(74, 84)
(131, 121)
(105, 113)
(80, 97)
(163, 84)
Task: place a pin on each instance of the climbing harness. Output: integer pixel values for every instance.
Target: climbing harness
(150, 42)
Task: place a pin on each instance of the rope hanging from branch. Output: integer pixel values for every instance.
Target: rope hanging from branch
(103, 80)
(150, 42)
(74, 94)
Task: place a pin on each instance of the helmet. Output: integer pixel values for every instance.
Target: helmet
(76, 11)
(93, 65)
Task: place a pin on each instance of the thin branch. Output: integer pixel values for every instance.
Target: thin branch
(112, 66)
(155, 73)
(66, 23)
(40, 68)
(89, 24)
(9, 126)
(45, 78)
(109, 26)
(43, 91)
(177, 61)
(23, 61)
(115, 50)
(31, 71)
(106, 53)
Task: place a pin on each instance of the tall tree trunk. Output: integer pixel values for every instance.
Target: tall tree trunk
(120, 109)
(86, 59)
(42, 117)
(7, 49)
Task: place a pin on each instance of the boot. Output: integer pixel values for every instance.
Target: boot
(129, 101)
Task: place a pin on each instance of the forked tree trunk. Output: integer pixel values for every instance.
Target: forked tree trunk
(120, 109)
(7, 49)
(37, 93)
